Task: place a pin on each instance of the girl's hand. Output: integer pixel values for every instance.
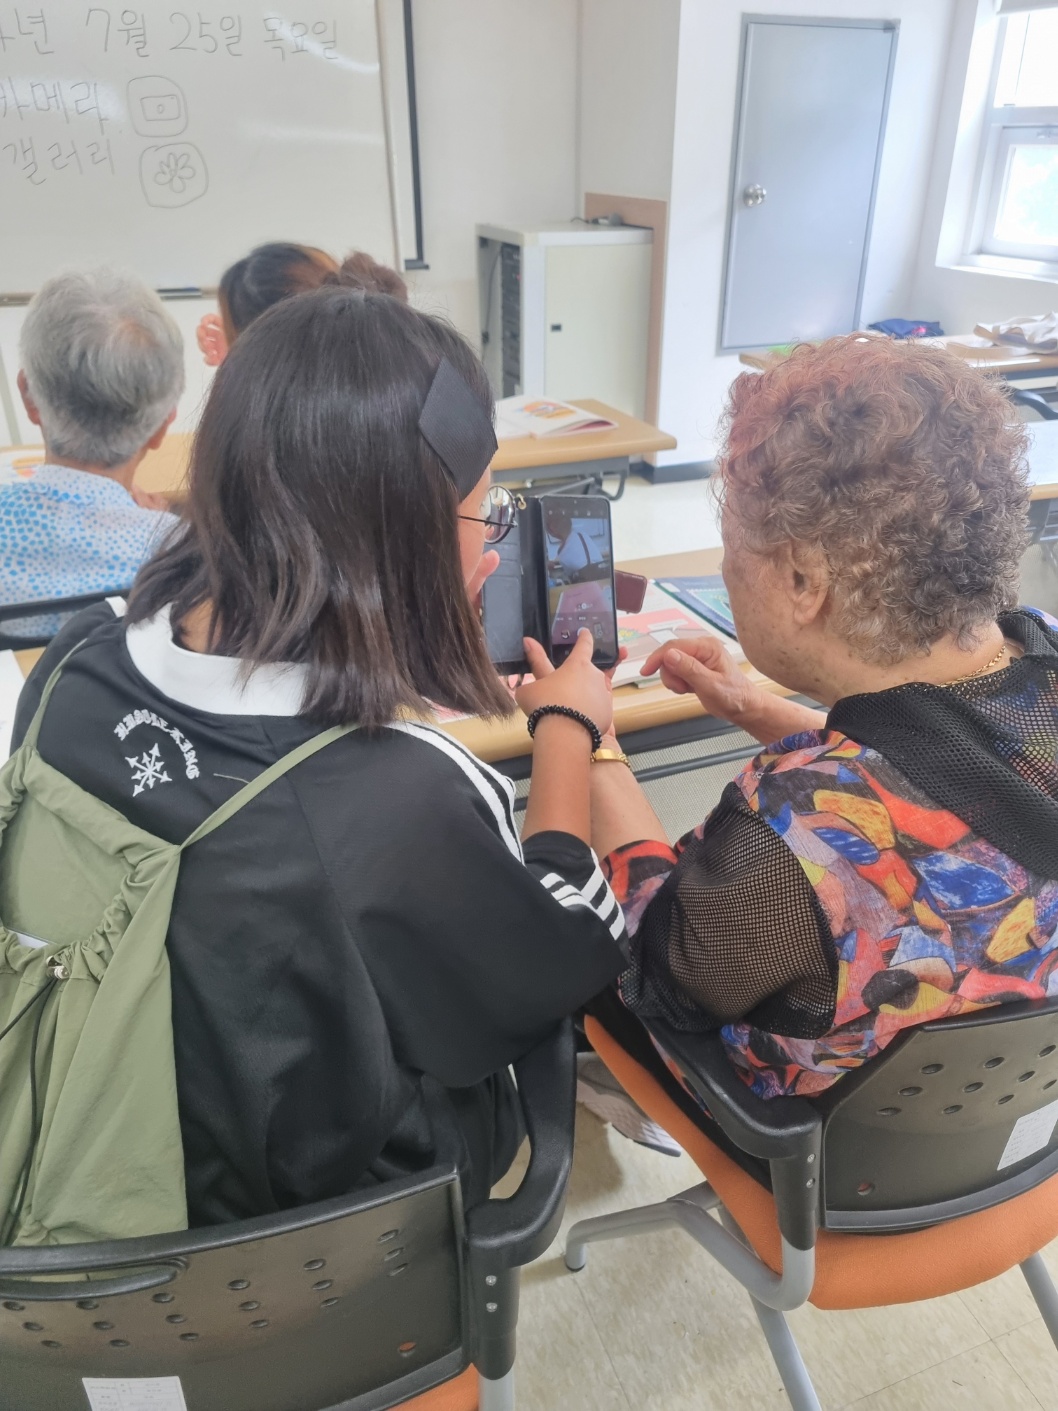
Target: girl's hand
(212, 343)
(576, 684)
(702, 666)
(487, 565)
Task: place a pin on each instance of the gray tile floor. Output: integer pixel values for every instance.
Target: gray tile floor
(653, 1324)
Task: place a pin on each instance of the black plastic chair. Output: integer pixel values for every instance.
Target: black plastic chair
(923, 1135)
(45, 607)
(355, 1304)
(1026, 397)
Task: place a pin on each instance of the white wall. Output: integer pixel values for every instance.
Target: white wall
(497, 90)
(694, 378)
(628, 96)
(497, 85)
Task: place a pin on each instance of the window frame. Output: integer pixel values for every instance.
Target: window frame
(1008, 126)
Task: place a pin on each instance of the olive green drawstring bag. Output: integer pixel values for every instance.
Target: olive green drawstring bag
(90, 1145)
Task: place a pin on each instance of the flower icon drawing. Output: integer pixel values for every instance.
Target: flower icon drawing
(177, 171)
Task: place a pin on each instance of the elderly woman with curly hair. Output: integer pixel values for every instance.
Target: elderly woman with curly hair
(894, 859)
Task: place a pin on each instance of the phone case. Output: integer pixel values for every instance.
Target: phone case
(520, 581)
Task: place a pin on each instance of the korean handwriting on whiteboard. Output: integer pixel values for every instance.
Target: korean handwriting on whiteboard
(30, 25)
(65, 100)
(301, 37)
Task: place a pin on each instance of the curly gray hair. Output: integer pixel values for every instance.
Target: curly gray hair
(104, 364)
(903, 467)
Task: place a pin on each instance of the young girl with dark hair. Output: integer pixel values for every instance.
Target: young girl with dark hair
(277, 271)
(360, 953)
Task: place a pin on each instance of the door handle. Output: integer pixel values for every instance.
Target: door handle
(754, 196)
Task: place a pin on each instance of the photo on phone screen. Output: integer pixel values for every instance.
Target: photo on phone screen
(580, 589)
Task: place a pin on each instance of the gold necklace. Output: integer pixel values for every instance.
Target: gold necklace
(980, 670)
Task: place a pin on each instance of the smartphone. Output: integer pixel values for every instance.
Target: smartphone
(579, 575)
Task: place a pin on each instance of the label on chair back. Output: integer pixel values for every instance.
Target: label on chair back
(134, 1393)
(1031, 1134)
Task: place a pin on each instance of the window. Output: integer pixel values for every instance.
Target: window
(1019, 190)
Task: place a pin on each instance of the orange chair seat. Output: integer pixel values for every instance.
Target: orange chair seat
(458, 1394)
(852, 1271)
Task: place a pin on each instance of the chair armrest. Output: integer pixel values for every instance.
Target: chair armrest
(517, 1229)
(784, 1131)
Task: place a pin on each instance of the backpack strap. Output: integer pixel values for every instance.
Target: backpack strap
(30, 737)
(268, 776)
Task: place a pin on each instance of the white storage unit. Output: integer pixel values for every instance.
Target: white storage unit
(565, 311)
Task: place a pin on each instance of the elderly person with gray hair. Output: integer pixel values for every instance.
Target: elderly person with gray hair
(893, 859)
(102, 371)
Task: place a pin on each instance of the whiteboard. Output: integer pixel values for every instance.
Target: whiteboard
(171, 136)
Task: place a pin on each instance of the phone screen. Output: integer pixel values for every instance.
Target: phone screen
(580, 588)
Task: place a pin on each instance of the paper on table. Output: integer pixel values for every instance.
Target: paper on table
(661, 619)
(10, 688)
(1031, 1134)
(134, 1393)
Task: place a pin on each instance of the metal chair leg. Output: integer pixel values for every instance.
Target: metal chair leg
(1043, 1291)
(496, 1396)
(787, 1358)
(638, 1221)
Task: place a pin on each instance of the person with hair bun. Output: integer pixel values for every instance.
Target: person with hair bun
(893, 858)
(277, 271)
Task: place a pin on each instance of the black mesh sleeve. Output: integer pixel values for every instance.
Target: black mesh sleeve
(735, 933)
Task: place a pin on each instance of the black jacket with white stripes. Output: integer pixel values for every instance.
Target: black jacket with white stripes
(356, 956)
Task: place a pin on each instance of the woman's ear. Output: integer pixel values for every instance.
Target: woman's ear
(806, 580)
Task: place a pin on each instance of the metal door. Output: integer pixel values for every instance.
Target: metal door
(808, 142)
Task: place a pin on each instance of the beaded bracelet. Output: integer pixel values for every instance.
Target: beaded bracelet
(586, 721)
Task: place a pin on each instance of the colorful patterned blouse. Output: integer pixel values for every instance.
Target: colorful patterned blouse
(828, 903)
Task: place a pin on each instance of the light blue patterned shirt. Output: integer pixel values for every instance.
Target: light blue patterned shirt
(66, 532)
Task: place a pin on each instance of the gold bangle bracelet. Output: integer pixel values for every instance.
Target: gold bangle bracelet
(610, 757)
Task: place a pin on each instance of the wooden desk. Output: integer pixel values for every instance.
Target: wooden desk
(525, 458)
(639, 711)
(595, 454)
(990, 359)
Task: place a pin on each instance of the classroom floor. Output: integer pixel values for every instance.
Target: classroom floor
(653, 1324)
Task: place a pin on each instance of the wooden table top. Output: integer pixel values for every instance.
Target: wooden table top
(993, 358)
(635, 707)
(164, 471)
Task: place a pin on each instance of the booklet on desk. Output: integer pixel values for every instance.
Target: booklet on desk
(705, 595)
(660, 621)
(542, 416)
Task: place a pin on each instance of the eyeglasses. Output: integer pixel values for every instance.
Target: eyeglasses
(498, 510)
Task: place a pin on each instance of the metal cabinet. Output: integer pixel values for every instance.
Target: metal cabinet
(808, 141)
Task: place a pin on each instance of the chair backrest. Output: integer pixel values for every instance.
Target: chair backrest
(953, 1117)
(46, 607)
(355, 1304)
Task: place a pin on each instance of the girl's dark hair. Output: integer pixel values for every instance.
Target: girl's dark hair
(278, 271)
(265, 277)
(361, 271)
(320, 527)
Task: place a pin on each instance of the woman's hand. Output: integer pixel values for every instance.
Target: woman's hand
(212, 342)
(577, 683)
(702, 666)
